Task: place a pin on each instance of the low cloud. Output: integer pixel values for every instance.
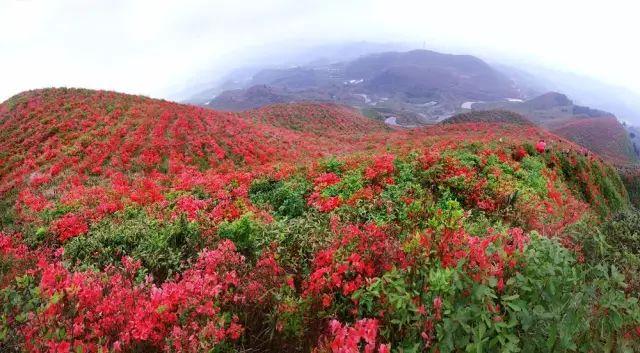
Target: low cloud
(158, 48)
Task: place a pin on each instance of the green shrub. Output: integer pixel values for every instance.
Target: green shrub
(287, 199)
(244, 232)
(530, 175)
(551, 307)
(351, 182)
(162, 247)
(551, 303)
(622, 232)
(7, 212)
(17, 301)
(615, 242)
(565, 306)
(631, 180)
(297, 240)
(332, 165)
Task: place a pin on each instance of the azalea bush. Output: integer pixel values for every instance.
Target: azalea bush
(136, 225)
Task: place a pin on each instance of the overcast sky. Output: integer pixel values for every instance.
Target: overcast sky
(155, 47)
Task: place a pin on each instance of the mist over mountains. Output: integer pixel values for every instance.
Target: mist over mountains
(240, 66)
(272, 68)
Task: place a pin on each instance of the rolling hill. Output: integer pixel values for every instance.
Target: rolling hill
(131, 224)
(602, 135)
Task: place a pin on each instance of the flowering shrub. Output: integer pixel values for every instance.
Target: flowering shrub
(15, 257)
(69, 226)
(338, 270)
(92, 311)
(347, 339)
(135, 225)
(382, 166)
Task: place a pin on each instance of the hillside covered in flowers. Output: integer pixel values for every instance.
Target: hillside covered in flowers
(129, 224)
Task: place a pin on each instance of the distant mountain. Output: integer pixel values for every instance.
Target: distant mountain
(253, 97)
(547, 106)
(424, 73)
(237, 69)
(533, 80)
(419, 86)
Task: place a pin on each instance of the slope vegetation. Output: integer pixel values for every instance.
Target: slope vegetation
(137, 225)
(602, 135)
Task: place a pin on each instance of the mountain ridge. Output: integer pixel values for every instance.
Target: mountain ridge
(421, 74)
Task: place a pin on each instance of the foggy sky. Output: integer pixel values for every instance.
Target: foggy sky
(157, 48)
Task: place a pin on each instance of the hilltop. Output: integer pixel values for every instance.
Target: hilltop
(488, 116)
(130, 224)
(548, 100)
